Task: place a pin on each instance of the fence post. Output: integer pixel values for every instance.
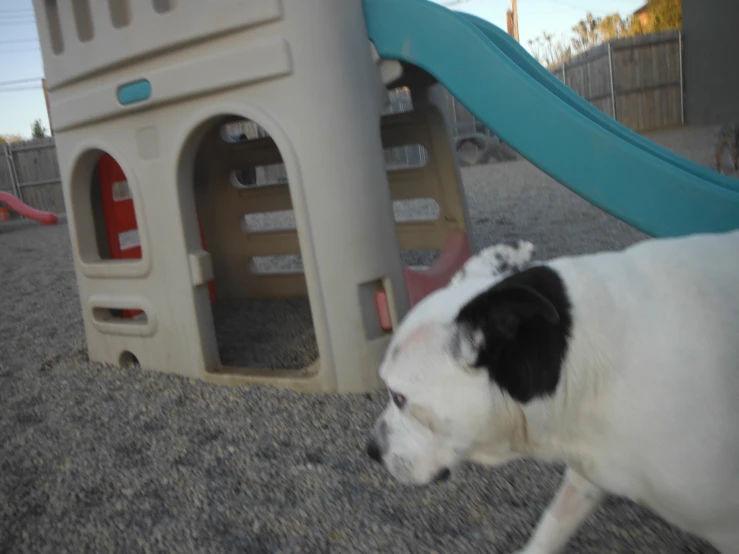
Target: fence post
(680, 66)
(613, 88)
(564, 73)
(15, 185)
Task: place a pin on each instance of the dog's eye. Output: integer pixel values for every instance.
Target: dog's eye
(399, 400)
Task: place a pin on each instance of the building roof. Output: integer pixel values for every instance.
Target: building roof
(643, 9)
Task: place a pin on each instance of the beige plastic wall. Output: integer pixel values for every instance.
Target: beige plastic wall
(306, 73)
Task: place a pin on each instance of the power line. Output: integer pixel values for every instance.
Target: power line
(578, 8)
(18, 81)
(18, 17)
(19, 50)
(17, 40)
(19, 89)
(10, 23)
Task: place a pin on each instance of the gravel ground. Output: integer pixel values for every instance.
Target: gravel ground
(106, 459)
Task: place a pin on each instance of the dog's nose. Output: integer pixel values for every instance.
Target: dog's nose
(373, 451)
(443, 475)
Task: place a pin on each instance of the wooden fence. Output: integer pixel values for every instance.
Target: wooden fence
(636, 80)
(30, 171)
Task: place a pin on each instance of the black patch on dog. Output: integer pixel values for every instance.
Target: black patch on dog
(503, 265)
(525, 322)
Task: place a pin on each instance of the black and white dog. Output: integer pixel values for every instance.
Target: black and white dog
(623, 365)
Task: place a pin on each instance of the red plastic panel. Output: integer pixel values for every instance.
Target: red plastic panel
(419, 284)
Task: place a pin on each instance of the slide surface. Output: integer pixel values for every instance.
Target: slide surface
(599, 159)
(14, 203)
(523, 59)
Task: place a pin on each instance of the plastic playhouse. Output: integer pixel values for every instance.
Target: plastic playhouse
(158, 232)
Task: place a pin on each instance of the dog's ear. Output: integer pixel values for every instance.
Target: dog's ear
(501, 310)
(498, 259)
(518, 331)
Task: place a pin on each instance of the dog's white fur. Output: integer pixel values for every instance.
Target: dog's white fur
(647, 405)
(498, 259)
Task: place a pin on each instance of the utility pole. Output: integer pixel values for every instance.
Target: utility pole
(512, 20)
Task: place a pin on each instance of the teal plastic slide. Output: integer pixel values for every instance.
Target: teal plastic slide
(601, 160)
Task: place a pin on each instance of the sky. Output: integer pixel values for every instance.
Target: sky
(20, 57)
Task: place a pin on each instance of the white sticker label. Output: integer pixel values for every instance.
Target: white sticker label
(121, 191)
(129, 239)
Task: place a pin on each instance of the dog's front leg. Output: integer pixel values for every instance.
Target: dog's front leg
(576, 499)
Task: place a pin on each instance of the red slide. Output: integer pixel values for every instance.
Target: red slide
(14, 203)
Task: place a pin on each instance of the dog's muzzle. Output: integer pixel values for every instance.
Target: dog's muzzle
(442, 476)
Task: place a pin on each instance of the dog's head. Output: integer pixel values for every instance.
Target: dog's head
(459, 368)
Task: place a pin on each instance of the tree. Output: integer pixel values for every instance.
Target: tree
(593, 31)
(634, 27)
(38, 130)
(613, 26)
(587, 33)
(548, 51)
(10, 138)
(665, 15)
